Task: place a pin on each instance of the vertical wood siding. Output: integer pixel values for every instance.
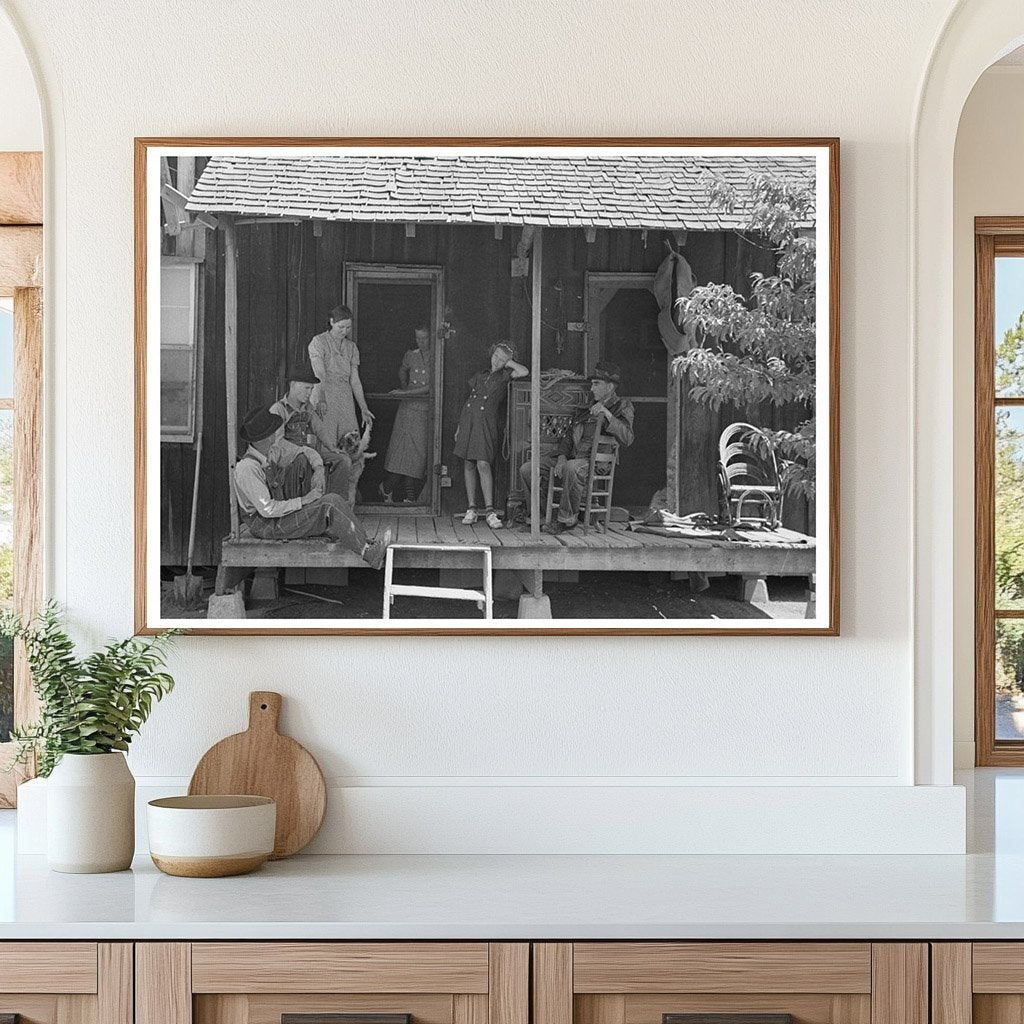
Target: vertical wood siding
(289, 279)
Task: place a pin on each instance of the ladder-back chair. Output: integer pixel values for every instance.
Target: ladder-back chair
(597, 500)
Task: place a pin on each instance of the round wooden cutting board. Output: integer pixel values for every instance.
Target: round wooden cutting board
(262, 762)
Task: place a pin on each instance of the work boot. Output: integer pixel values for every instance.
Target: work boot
(374, 553)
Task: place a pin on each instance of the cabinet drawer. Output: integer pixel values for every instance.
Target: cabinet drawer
(332, 983)
(730, 983)
(340, 967)
(65, 967)
(634, 967)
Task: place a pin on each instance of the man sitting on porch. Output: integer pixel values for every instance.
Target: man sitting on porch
(570, 462)
(304, 428)
(283, 502)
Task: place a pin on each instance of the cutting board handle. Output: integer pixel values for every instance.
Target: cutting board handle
(264, 710)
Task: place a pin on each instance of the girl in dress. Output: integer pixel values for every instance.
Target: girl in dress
(476, 439)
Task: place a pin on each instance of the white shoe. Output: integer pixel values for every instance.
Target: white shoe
(470, 517)
(493, 521)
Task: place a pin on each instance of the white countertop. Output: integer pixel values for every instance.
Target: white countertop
(516, 897)
(977, 896)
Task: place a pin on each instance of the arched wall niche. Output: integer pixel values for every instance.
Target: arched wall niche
(975, 35)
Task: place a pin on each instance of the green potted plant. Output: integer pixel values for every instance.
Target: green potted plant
(89, 710)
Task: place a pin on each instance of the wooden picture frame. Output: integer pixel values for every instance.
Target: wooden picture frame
(276, 264)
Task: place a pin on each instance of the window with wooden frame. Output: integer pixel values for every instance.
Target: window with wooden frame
(999, 490)
(21, 409)
(180, 283)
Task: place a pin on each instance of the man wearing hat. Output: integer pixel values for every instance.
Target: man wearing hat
(570, 462)
(303, 428)
(273, 510)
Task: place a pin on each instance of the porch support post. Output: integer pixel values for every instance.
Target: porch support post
(675, 439)
(535, 605)
(538, 239)
(231, 359)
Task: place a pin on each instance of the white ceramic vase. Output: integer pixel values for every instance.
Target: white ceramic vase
(90, 814)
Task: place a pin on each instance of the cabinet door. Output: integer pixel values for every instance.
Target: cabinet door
(980, 982)
(730, 983)
(332, 983)
(66, 982)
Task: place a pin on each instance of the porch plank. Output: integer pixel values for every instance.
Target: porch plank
(627, 537)
(464, 534)
(568, 539)
(426, 532)
(445, 531)
(508, 537)
(406, 532)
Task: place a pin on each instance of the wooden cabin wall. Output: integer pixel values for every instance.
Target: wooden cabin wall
(289, 277)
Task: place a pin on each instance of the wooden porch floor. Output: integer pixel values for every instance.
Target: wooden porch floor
(781, 553)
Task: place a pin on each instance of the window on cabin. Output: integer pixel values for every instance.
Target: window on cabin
(178, 349)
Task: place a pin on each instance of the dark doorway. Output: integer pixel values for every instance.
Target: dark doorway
(389, 305)
(622, 328)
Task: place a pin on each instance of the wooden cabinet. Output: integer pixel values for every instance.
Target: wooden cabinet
(979, 982)
(66, 982)
(750, 982)
(559, 401)
(494, 983)
(309, 982)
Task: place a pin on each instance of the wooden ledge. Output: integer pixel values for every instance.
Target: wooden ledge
(21, 258)
(21, 188)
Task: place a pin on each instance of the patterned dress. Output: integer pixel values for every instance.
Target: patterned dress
(407, 449)
(333, 362)
(478, 433)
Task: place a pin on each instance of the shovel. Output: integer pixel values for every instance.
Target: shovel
(188, 589)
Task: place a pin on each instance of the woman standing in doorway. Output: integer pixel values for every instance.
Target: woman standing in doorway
(335, 361)
(405, 465)
(476, 439)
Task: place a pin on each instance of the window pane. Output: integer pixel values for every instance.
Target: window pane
(177, 349)
(1009, 524)
(1009, 319)
(1009, 679)
(6, 352)
(176, 388)
(6, 566)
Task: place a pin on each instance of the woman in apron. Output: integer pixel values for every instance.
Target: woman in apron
(335, 361)
(405, 465)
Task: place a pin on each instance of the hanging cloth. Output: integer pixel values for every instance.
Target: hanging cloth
(673, 280)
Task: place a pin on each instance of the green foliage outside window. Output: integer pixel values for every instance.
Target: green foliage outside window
(1009, 509)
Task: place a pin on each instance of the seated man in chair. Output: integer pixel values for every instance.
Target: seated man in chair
(285, 501)
(570, 462)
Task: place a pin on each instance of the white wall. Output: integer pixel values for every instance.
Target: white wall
(21, 127)
(987, 181)
(430, 715)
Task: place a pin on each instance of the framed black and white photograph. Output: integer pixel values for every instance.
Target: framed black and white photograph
(487, 386)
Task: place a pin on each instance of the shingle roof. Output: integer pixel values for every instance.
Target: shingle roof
(637, 191)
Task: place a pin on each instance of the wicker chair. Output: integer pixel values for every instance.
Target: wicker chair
(749, 483)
